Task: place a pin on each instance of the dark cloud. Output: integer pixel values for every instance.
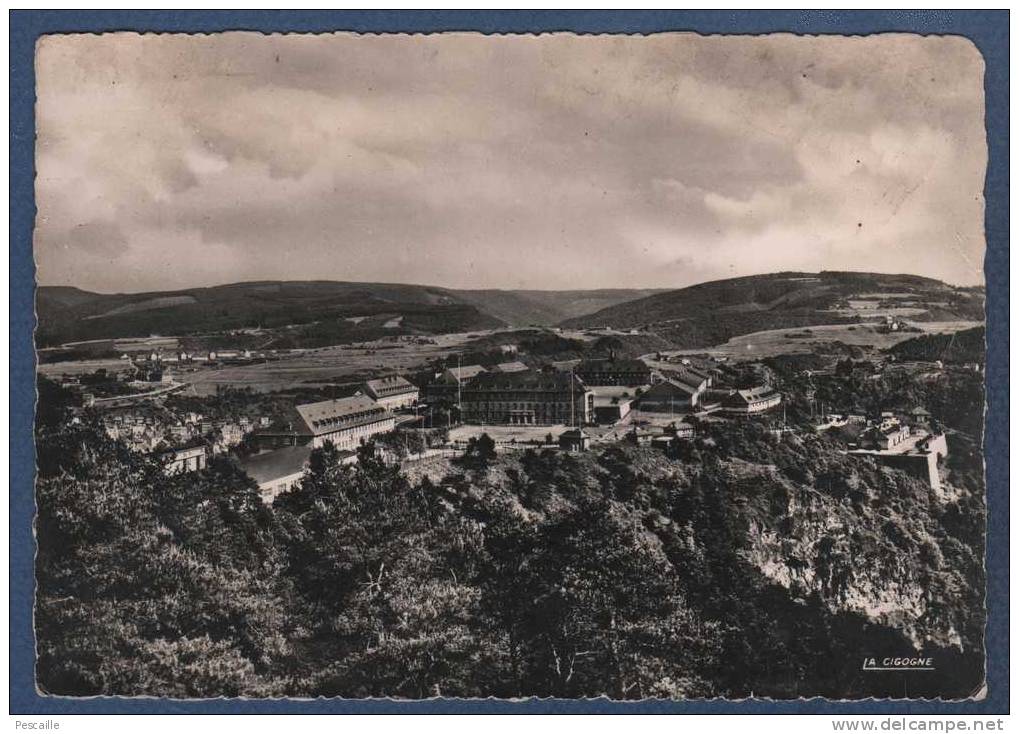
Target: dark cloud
(542, 162)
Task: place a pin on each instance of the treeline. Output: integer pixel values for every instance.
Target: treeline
(318, 315)
(954, 398)
(540, 574)
(968, 345)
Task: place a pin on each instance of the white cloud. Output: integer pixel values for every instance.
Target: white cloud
(465, 160)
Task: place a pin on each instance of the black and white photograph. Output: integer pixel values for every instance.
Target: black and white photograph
(512, 366)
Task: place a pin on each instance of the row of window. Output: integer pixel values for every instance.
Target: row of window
(524, 406)
(387, 392)
(352, 436)
(347, 419)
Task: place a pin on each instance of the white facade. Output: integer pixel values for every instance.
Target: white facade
(349, 438)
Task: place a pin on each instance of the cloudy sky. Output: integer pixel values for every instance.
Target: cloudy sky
(508, 162)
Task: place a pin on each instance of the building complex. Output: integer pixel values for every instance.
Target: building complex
(615, 372)
(527, 399)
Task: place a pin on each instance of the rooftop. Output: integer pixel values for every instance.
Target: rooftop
(273, 465)
(669, 387)
(757, 393)
(389, 385)
(529, 380)
(506, 367)
(685, 376)
(466, 372)
(611, 364)
(325, 416)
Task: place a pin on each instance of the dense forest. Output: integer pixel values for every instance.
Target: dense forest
(968, 345)
(748, 565)
(311, 313)
(305, 313)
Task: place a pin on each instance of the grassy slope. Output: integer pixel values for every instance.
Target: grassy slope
(711, 313)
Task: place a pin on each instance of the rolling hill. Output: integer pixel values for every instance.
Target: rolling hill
(547, 308)
(334, 309)
(311, 313)
(711, 313)
(317, 313)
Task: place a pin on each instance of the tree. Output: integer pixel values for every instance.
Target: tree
(480, 452)
(129, 557)
(590, 608)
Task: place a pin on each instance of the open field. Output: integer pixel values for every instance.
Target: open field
(771, 343)
(130, 344)
(352, 362)
(329, 365)
(83, 367)
(340, 363)
(901, 312)
(307, 368)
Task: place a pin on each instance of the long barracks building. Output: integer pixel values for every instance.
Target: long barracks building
(614, 372)
(527, 399)
(346, 423)
(752, 401)
(391, 392)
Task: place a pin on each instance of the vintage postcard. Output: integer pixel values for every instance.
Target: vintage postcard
(508, 366)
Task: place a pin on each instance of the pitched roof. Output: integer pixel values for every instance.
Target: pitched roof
(565, 365)
(391, 385)
(609, 364)
(169, 453)
(892, 430)
(669, 387)
(466, 372)
(328, 415)
(529, 380)
(762, 392)
(511, 367)
(273, 465)
(757, 393)
(685, 376)
(697, 371)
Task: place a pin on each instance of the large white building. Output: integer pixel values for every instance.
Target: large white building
(391, 392)
(345, 422)
(752, 401)
(282, 470)
(449, 384)
(528, 399)
(276, 472)
(671, 395)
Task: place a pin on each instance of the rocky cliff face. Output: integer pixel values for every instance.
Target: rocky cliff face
(883, 560)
